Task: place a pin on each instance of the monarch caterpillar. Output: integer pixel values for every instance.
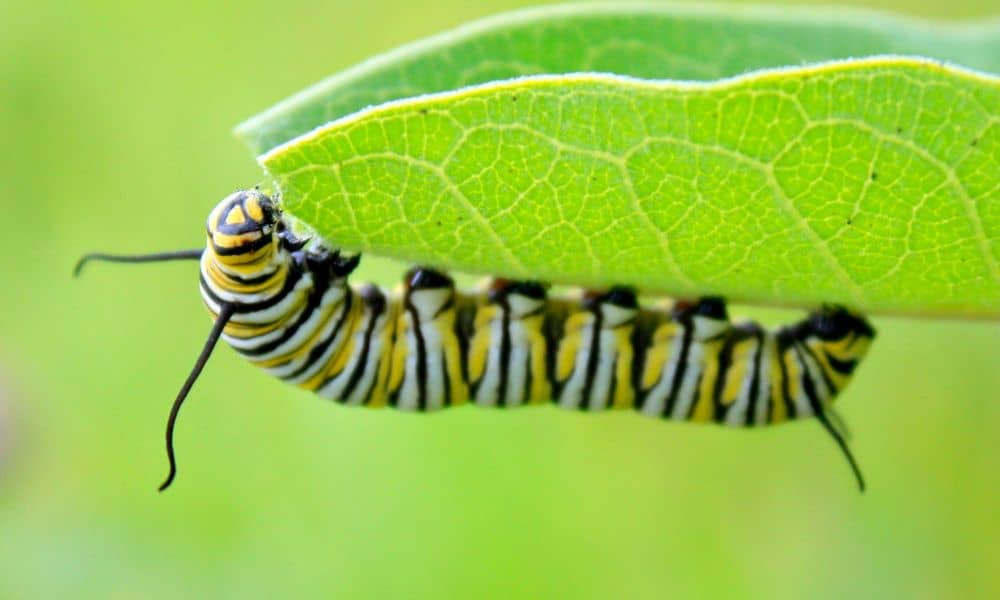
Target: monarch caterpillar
(287, 306)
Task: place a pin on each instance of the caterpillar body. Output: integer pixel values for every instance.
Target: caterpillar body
(287, 306)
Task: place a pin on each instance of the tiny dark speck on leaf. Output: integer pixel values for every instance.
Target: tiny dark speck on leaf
(423, 111)
(974, 141)
(874, 175)
(439, 223)
(849, 221)
(899, 130)
(513, 98)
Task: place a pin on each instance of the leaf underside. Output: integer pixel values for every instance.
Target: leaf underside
(651, 41)
(871, 183)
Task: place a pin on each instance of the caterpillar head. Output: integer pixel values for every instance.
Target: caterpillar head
(242, 228)
(844, 336)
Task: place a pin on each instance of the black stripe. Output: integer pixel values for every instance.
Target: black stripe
(613, 384)
(755, 379)
(725, 362)
(446, 376)
(504, 352)
(783, 345)
(682, 359)
(251, 307)
(640, 339)
(370, 392)
(320, 287)
(465, 317)
(810, 388)
(375, 303)
(319, 349)
(449, 304)
(844, 367)
(421, 356)
(553, 328)
(529, 376)
(247, 226)
(595, 346)
(393, 399)
(245, 248)
(696, 395)
(252, 280)
(825, 376)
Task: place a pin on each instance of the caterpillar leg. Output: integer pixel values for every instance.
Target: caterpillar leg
(594, 362)
(359, 374)
(428, 363)
(508, 348)
(678, 365)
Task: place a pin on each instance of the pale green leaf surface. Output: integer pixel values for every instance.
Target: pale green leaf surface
(871, 183)
(647, 41)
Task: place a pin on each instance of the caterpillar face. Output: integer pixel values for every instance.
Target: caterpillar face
(241, 228)
(839, 339)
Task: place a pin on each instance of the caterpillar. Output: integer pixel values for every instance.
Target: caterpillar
(285, 303)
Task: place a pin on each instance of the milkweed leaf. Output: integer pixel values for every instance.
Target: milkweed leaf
(870, 183)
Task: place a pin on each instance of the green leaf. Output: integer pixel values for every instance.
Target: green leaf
(872, 183)
(651, 41)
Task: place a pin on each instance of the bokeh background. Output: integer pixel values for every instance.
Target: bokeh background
(115, 127)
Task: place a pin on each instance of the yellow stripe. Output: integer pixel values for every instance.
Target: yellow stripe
(481, 343)
(778, 411)
(743, 353)
(253, 207)
(569, 347)
(624, 395)
(794, 375)
(398, 368)
(314, 337)
(452, 356)
(249, 261)
(703, 403)
(839, 381)
(379, 397)
(658, 355)
(236, 217)
(541, 391)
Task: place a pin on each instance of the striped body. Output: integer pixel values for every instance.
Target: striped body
(428, 346)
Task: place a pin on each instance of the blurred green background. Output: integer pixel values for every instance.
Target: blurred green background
(116, 126)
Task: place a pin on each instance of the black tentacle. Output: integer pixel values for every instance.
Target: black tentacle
(225, 312)
(194, 254)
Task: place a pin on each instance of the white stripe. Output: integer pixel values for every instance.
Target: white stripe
(408, 391)
(328, 305)
(570, 396)
(517, 370)
(657, 397)
(334, 389)
(294, 365)
(517, 373)
(688, 390)
(436, 379)
(764, 395)
(600, 393)
(736, 414)
(486, 394)
(801, 400)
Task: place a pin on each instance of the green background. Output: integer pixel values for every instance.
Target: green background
(116, 135)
